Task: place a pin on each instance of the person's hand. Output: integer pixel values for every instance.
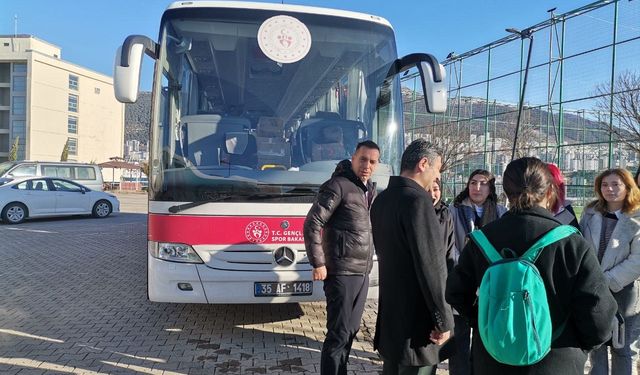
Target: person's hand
(438, 337)
(319, 273)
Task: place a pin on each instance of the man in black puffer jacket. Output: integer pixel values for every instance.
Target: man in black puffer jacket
(337, 237)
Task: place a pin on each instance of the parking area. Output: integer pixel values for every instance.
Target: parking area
(74, 301)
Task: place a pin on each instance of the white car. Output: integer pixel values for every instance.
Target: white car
(31, 197)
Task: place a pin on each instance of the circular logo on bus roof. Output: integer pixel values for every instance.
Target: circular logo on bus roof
(284, 39)
(256, 232)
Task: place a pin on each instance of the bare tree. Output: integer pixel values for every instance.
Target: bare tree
(528, 136)
(15, 147)
(64, 156)
(450, 140)
(144, 166)
(625, 107)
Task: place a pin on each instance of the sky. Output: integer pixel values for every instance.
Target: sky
(90, 31)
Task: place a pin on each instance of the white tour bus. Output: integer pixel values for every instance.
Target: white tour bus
(253, 105)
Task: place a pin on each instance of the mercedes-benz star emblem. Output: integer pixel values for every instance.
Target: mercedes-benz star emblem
(284, 256)
(284, 224)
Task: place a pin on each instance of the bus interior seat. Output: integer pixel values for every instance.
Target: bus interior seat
(205, 135)
(327, 115)
(329, 145)
(249, 158)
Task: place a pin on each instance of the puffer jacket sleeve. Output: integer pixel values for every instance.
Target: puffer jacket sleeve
(593, 305)
(327, 200)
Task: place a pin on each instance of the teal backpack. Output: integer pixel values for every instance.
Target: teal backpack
(513, 312)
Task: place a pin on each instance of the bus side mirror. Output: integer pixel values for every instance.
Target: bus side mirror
(435, 92)
(127, 67)
(432, 76)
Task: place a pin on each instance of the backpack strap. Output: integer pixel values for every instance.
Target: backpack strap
(487, 248)
(555, 234)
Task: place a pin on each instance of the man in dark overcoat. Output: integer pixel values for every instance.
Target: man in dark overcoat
(337, 237)
(413, 318)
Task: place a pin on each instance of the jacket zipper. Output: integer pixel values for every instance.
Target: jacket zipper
(366, 202)
(536, 337)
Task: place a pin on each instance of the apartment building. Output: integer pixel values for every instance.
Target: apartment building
(47, 102)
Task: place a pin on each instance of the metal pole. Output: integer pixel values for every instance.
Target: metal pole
(613, 80)
(549, 90)
(486, 111)
(524, 89)
(561, 97)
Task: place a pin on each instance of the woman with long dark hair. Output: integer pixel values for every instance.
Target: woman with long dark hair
(476, 206)
(577, 293)
(612, 224)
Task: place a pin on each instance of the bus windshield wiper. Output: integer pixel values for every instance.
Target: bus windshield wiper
(254, 197)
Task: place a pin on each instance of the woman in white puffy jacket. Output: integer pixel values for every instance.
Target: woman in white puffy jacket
(612, 224)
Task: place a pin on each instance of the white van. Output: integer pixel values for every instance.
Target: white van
(88, 175)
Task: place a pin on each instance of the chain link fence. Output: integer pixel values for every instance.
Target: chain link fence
(581, 107)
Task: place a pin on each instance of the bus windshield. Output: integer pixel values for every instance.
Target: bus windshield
(236, 119)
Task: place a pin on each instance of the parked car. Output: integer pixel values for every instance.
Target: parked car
(89, 175)
(30, 197)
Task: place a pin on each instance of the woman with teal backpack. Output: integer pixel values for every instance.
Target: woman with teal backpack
(579, 306)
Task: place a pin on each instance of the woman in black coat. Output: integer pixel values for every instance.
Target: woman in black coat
(577, 291)
(446, 223)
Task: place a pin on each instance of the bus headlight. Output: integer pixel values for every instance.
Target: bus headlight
(174, 252)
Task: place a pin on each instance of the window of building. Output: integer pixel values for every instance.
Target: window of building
(18, 127)
(72, 146)
(72, 125)
(73, 82)
(4, 120)
(19, 83)
(4, 96)
(18, 105)
(19, 68)
(73, 103)
(5, 71)
(4, 142)
(96, 90)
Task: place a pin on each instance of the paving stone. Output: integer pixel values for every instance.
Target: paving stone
(78, 301)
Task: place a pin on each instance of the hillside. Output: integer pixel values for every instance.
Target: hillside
(576, 129)
(137, 117)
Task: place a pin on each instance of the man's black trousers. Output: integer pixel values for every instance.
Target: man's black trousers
(346, 295)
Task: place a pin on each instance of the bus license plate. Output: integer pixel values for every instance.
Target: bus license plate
(293, 288)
